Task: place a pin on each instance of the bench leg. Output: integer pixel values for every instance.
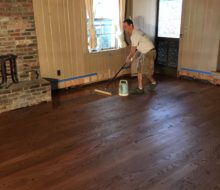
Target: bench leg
(13, 70)
(3, 72)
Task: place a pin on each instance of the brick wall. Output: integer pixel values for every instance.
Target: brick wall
(25, 94)
(18, 36)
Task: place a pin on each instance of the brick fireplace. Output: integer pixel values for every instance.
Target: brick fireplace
(18, 37)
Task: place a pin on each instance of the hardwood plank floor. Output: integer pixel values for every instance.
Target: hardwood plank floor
(168, 140)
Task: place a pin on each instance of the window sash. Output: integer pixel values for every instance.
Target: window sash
(106, 30)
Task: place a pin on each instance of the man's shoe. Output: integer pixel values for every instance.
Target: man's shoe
(152, 87)
(137, 91)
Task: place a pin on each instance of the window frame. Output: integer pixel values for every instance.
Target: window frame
(99, 36)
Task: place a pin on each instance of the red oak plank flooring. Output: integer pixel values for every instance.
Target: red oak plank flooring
(167, 140)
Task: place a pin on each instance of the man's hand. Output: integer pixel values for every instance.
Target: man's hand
(128, 60)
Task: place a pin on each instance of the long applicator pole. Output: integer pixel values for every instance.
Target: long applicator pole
(109, 82)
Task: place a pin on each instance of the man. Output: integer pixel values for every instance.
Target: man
(143, 51)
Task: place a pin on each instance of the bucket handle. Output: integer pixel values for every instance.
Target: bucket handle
(123, 81)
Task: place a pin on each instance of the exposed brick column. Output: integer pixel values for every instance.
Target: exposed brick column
(17, 34)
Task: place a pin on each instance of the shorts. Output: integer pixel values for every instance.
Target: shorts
(145, 62)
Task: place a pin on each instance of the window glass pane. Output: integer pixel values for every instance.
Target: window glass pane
(169, 18)
(106, 41)
(106, 17)
(106, 8)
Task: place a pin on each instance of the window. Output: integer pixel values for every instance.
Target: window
(106, 23)
(169, 18)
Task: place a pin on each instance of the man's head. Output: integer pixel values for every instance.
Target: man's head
(128, 25)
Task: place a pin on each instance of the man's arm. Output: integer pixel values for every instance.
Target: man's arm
(131, 54)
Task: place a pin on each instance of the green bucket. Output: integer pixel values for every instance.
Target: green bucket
(123, 88)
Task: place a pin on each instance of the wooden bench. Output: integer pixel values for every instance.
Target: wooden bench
(11, 60)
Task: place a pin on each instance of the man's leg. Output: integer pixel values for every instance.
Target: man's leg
(150, 58)
(145, 79)
(140, 80)
(139, 89)
(151, 79)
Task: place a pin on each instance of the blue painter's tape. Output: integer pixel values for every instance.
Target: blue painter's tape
(196, 71)
(78, 77)
(73, 78)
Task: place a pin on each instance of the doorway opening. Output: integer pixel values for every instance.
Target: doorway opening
(167, 34)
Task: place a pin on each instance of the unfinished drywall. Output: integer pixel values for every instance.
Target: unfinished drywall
(63, 49)
(199, 42)
(144, 16)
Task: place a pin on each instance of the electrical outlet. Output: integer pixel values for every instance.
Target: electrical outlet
(58, 72)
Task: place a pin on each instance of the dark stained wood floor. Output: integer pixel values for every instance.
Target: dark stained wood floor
(168, 140)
